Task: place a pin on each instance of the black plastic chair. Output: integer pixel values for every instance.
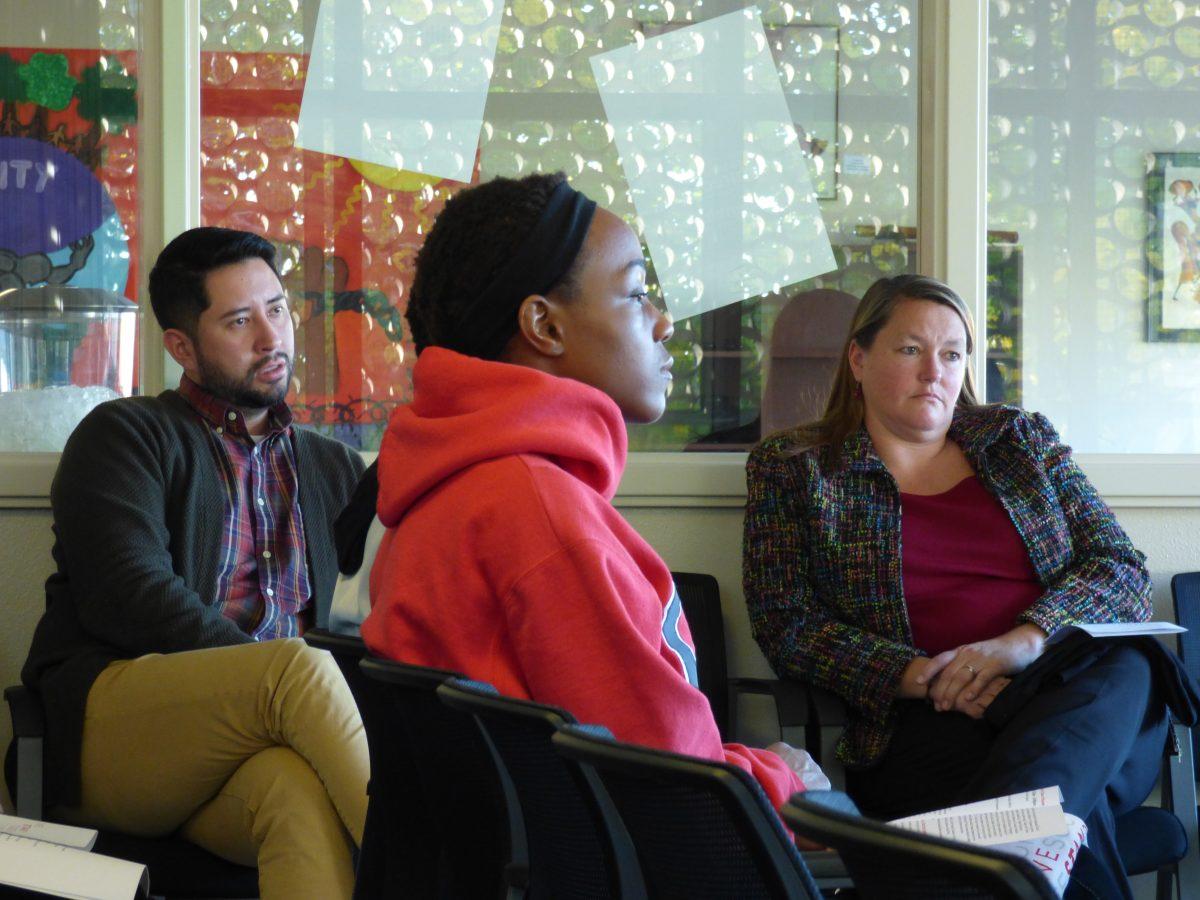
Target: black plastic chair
(578, 846)
(702, 829)
(1185, 592)
(889, 863)
(700, 596)
(177, 868)
(396, 844)
(474, 842)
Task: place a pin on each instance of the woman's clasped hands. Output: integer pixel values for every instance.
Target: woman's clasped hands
(968, 678)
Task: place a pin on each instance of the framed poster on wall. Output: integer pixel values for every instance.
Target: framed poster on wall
(1173, 255)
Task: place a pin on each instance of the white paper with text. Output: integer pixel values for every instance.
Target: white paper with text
(1030, 824)
(66, 835)
(66, 872)
(1128, 629)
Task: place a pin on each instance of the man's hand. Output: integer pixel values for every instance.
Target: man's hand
(958, 677)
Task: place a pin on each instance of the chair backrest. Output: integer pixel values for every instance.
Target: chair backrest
(806, 346)
(700, 597)
(347, 651)
(1185, 592)
(702, 829)
(459, 795)
(578, 846)
(394, 850)
(888, 863)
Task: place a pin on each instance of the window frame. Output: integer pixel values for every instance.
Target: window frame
(953, 48)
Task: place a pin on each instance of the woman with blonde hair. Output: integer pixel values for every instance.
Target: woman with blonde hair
(912, 550)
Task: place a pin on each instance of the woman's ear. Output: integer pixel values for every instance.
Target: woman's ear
(854, 355)
(539, 324)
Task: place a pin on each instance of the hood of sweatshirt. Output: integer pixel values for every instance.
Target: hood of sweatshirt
(467, 410)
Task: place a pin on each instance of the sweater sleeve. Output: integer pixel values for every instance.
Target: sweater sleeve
(1106, 580)
(588, 630)
(796, 630)
(109, 498)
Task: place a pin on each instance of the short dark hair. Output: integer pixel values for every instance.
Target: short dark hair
(177, 292)
(474, 236)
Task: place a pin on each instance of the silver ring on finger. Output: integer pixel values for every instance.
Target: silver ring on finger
(970, 668)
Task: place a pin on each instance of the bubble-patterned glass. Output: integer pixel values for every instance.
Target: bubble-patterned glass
(1085, 323)
(719, 181)
(349, 232)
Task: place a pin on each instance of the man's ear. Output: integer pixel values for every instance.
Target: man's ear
(181, 348)
(540, 326)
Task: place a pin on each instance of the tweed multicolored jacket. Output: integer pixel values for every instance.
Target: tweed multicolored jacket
(822, 571)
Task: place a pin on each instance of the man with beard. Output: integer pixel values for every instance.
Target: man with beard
(193, 548)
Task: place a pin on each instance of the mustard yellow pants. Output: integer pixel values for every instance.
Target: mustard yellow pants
(255, 752)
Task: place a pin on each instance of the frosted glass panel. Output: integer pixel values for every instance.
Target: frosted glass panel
(1093, 155)
(709, 150)
(401, 84)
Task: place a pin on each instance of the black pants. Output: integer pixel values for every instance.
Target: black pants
(1099, 734)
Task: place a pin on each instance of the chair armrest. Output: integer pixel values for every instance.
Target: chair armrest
(827, 869)
(1179, 795)
(28, 719)
(791, 699)
(23, 762)
(820, 713)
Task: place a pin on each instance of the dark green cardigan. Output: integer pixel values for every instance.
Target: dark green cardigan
(138, 512)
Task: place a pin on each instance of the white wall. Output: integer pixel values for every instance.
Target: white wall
(689, 539)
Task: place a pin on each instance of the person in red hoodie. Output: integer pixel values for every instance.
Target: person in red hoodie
(503, 556)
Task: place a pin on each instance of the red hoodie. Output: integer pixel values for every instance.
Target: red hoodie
(504, 559)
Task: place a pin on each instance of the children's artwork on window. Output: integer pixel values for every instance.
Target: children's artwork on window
(68, 169)
(68, 239)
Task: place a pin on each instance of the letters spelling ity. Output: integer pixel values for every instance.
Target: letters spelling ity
(20, 169)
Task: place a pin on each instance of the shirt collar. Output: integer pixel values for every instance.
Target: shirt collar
(225, 417)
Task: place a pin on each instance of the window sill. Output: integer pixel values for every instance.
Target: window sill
(684, 480)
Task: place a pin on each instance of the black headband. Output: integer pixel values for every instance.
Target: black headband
(538, 264)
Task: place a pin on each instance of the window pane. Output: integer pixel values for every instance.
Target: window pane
(1092, 171)
(68, 214)
(349, 232)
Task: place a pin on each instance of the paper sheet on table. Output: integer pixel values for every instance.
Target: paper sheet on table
(400, 87)
(713, 162)
(65, 872)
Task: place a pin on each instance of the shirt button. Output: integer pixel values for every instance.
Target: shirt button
(266, 554)
(261, 501)
(270, 592)
(220, 430)
(231, 415)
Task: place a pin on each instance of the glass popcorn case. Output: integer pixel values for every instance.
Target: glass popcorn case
(63, 350)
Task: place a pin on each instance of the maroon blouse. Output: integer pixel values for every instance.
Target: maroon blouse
(967, 574)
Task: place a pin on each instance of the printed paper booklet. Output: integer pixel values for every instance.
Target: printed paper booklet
(54, 859)
(1031, 824)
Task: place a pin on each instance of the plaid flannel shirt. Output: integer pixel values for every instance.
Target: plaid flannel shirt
(263, 584)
